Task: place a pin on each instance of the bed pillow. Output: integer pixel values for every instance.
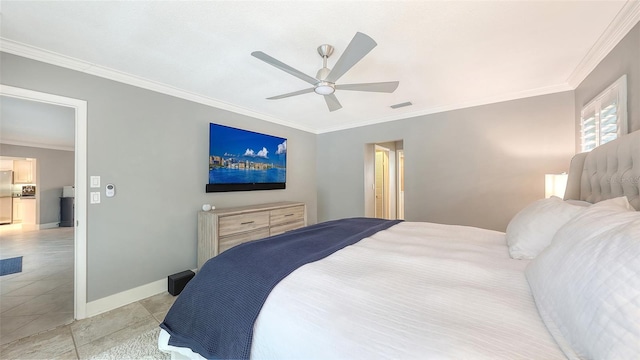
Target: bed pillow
(578, 202)
(586, 284)
(533, 228)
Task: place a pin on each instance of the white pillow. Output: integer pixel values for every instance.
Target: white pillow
(586, 284)
(533, 228)
(578, 202)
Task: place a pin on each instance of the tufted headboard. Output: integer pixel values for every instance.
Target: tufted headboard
(608, 171)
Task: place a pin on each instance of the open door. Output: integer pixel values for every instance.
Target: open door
(400, 208)
(384, 180)
(382, 183)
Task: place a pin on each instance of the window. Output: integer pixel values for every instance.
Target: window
(605, 117)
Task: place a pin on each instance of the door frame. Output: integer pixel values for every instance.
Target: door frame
(386, 204)
(400, 184)
(80, 228)
(391, 147)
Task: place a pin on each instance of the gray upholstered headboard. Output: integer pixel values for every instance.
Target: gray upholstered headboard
(608, 171)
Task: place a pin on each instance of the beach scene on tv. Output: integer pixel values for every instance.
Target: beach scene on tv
(239, 156)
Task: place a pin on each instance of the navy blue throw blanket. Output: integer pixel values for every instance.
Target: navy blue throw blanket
(215, 313)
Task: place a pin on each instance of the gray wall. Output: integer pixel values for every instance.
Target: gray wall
(54, 169)
(476, 166)
(154, 148)
(623, 59)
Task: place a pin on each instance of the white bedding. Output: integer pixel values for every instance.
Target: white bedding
(416, 290)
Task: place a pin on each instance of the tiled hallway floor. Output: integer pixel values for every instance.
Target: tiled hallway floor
(87, 338)
(36, 305)
(40, 297)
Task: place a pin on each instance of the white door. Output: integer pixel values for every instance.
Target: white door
(400, 184)
(382, 184)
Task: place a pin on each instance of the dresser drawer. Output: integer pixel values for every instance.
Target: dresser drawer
(221, 229)
(279, 229)
(287, 215)
(235, 224)
(230, 241)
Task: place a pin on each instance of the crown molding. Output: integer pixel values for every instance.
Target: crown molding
(49, 57)
(626, 19)
(439, 109)
(52, 58)
(37, 145)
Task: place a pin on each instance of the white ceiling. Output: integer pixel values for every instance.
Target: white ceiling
(446, 54)
(30, 123)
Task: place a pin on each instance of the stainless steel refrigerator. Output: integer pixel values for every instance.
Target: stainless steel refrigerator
(6, 199)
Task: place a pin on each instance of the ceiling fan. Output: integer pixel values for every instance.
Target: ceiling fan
(325, 81)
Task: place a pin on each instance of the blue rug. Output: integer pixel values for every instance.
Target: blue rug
(11, 266)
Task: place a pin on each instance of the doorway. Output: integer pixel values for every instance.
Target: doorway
(80, 179)
(384, 180)
(400, 154)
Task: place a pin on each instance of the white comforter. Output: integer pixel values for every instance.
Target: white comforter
(414, 291)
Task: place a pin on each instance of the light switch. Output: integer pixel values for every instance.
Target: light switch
(95, 198)
(94, 182)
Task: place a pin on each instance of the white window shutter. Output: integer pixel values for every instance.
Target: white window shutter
(605, 117)
(589, 130)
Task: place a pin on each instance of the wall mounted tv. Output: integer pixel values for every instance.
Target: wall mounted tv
(242, 160)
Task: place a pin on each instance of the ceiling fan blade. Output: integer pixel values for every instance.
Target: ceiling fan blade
(284, 67)
(359, 46)
(385, 87)
(332, 102)
(299, 92)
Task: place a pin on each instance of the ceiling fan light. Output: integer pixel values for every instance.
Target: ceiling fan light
(324, 89)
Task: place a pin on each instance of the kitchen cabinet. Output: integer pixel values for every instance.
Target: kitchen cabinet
(6, 164)
(23, 172)
(28, 211)
(17, 210)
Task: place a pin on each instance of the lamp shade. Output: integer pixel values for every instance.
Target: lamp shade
(555, 185)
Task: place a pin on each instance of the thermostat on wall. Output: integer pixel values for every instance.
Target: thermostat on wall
(110, 190)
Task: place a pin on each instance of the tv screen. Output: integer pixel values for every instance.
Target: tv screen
(241, 160)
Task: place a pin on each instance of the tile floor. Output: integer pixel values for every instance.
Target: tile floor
(36, 305)
(86, 338)
(41, 296)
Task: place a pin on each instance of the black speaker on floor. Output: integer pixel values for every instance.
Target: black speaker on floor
(178, 281)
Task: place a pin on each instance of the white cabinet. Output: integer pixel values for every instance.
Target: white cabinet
(23, 172)
(17, 210)
(6, 164)
(28, 211)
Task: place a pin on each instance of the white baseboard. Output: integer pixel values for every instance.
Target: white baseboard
(11, 227)
(126, 297)
(29, 227)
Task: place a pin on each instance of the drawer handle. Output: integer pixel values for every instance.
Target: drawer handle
(246, 223)
(289, 215)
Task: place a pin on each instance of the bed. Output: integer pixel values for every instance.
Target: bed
(562, 282)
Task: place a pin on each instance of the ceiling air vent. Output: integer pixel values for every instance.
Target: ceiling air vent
(408, 103)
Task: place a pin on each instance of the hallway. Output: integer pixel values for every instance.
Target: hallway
(40, 297)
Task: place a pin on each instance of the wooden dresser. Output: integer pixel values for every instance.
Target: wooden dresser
(221, 229)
